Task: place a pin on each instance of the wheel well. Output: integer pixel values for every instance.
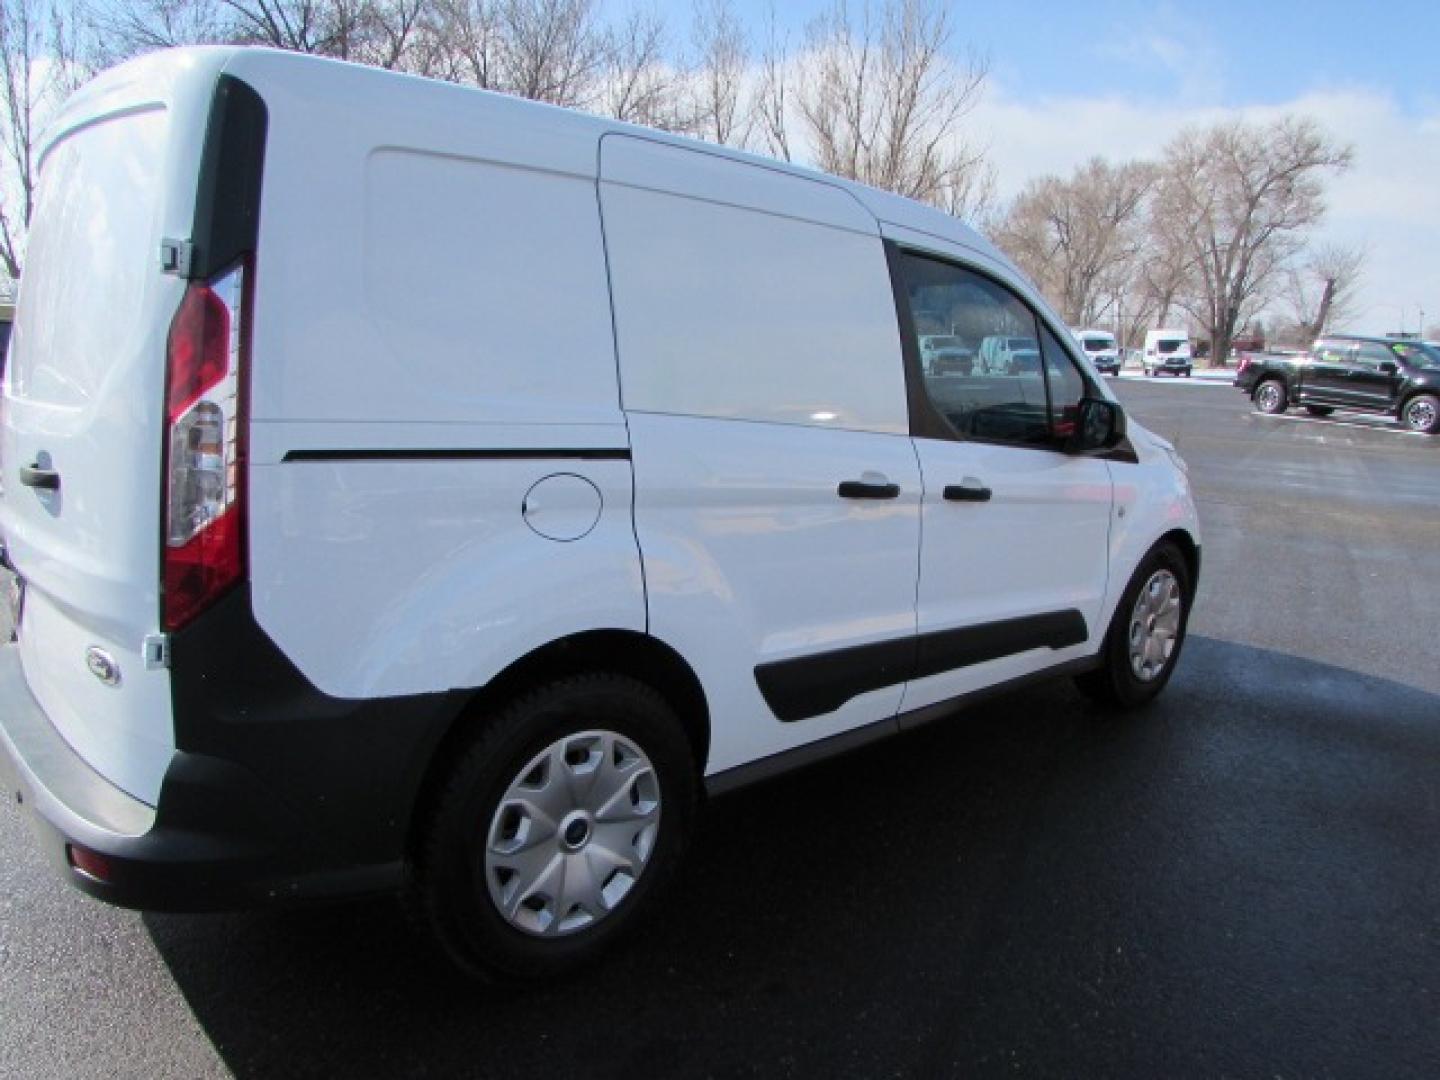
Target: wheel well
(624, 652)
(1190, 550)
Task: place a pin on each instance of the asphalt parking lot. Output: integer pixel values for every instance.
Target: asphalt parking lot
(1243, 881)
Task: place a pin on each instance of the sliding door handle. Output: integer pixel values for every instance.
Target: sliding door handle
(868, 489)
(36, 477)
(969, 491)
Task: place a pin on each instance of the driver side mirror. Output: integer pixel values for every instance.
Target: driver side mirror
(1099, 425)
(1389, 367)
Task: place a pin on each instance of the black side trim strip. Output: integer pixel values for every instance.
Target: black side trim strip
(753, 772)
(814, 685)
(948, 650)
(592, 453)
(820, 683)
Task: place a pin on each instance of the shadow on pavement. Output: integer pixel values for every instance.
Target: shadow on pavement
(1241, 880)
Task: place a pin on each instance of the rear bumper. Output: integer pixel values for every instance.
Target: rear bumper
(217, 839)
(278, 794)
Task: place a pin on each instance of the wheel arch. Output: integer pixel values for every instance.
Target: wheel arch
(625, 652)
(1182, 539)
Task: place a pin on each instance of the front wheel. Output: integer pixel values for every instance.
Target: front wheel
(555, 829)
(1146, 633)
(1270, 397)
(1422, 414)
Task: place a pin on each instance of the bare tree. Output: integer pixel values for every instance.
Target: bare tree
(1240, 197)
(551, 50)
(468, 42)
(883, 98)
(123, 30)
(722, 54)
(41, 62)
(639, 86)
(1322, 292)
(772, 94)
(1079, 239)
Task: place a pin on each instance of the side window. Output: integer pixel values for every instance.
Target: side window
(981, 351)
(1334, 353)
(1067, 385)
(1372, 355)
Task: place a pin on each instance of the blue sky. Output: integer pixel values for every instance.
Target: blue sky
(1225, 52)
(1120, 78)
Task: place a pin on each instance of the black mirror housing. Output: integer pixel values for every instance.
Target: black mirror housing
(1100, 425)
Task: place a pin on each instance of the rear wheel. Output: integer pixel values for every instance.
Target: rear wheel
(1270, 397)
(555, 829)
(1146, 633)
(1422, 413)
(1319, 410)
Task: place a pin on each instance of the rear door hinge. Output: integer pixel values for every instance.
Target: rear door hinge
(176, 257)
(156, 650)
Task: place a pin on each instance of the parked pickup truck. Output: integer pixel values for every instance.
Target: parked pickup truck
(1384, 375)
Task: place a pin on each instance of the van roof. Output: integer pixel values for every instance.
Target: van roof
(157, 76)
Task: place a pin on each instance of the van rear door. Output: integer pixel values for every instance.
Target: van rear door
(84, 391)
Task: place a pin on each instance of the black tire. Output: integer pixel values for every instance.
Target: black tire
(1319, 410)
(1115, 681)
(1271, 398)
(449, 892)
(1422, 413)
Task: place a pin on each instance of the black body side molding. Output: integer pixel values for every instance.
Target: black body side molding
(807, 686)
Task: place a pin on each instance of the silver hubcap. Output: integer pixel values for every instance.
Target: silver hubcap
(1154, 625)
(573, 833)
(1269, 397)
(1420, 415)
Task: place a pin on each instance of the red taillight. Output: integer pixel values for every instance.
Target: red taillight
(199, 349)
(204, 449)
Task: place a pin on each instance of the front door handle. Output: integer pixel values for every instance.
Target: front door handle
(36, 477)
(868, 489)
(970, 491)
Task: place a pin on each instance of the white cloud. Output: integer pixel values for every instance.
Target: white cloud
(1389, 201)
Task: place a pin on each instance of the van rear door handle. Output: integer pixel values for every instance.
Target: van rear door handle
(36, 477)
(865, 489)
(970, 491)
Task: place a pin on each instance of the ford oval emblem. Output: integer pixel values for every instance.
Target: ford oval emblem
(102, 666)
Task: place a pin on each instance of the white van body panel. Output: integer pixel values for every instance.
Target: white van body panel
(1040, 545)
(381, 578)
(83, 392)
(751, 557)
(443, 291)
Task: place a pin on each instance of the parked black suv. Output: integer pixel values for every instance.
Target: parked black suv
(1343, 371)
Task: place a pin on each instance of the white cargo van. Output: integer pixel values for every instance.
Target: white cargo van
(1167, 351)
(413, 489)
(1102, 349)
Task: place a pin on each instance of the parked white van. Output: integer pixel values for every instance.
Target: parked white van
(413, 489)
(1102, 349)
(1167, 351)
